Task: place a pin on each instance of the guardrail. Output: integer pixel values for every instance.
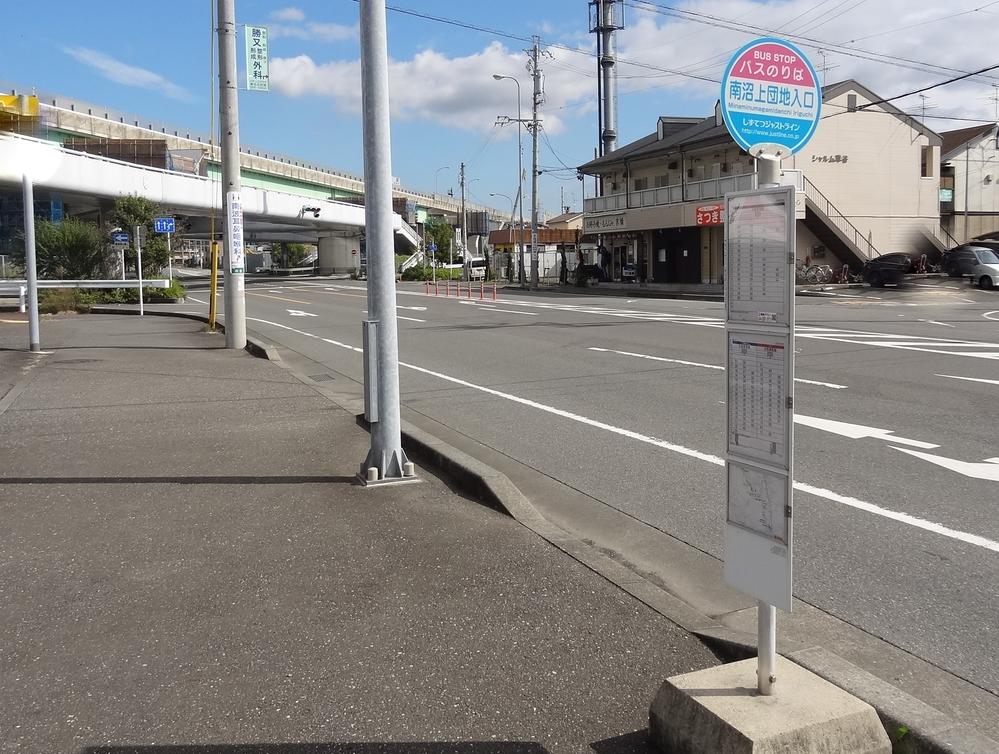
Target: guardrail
(20, 287)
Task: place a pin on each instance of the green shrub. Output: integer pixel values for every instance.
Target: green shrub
(52, 300)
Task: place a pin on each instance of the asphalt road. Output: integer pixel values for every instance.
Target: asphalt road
(897, 402)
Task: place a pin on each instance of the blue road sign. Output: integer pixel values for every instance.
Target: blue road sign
(119, 238)
(771, 98)
(432, 248)
(164, 225)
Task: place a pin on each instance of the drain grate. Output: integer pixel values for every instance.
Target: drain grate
(322, 377)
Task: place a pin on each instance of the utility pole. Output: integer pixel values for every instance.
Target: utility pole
(386, 460)
(464, 230)
(235, 296)
(30, 263)
(536, 101)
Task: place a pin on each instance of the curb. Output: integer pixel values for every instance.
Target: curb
(255, 345)
(913, 726)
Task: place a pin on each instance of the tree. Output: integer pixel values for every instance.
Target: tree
(292, 254)
(131, 211)
(440, 232)
(68, 250)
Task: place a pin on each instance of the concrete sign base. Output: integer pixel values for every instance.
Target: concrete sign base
(720, 710)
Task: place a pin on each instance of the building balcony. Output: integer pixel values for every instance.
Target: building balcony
(692, 191)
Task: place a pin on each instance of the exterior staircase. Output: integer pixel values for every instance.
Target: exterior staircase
(834, 230)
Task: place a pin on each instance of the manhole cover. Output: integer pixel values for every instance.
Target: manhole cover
(321, 377)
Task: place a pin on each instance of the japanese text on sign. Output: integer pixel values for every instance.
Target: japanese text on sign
(709, 215)
(234, 205)
(770, 98)
(257, 68)
(759, 244)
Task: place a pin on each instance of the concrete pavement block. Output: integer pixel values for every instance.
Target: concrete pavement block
(719, 711)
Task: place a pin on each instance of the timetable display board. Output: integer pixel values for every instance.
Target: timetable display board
(757, 251)
(759, 340)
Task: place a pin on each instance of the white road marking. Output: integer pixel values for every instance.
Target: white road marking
(706, 366)
(969, 379)
(905, 518)
(299, 313)
(989, 471)
(988, 316)
(412, 308)
(934, 322)
(858, 431)
(477, 305)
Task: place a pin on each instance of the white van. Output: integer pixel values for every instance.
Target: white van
(475, 268)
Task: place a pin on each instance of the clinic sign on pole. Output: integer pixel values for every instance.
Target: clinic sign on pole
(257, 62)
(771, 99)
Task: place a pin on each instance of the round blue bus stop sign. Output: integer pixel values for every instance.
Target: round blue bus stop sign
(770, 98)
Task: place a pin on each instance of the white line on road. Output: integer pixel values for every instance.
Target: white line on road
(858, 431)
(969, 379)
(905, 518)
(934, 322)
(832, 385)
(476, 305)
(988, 315)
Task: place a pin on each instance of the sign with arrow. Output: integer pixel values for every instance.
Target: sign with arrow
(299, 313)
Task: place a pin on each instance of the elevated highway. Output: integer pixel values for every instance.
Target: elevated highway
(89, 181)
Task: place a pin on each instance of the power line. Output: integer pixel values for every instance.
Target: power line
(724, 23)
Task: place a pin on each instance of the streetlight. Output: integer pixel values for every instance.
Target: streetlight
(520, 176)
(437, 173)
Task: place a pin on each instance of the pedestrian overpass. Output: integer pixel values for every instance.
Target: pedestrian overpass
(91, 181)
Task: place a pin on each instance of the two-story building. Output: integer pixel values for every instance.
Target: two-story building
(868, 184)
(969, 198)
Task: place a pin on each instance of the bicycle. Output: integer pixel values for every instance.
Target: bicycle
(819, 273)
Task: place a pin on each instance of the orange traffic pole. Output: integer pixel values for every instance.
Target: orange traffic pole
(494, 290)
(482, 289)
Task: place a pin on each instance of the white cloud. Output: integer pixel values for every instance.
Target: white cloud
(458, 91)
(935, 36)
(288, 14)
(450, 91)
(129, 75)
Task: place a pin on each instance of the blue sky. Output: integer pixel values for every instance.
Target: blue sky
(155, 63)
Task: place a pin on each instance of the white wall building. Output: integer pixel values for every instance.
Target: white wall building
(969, 199)
(869, 180)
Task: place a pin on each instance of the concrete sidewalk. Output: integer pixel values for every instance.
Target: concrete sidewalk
(188, 561)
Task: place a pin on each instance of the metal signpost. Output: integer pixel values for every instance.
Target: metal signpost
(120, 241)
(166, 225)
(770, 101)
(138, 267)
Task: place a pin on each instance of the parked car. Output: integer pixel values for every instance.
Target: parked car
(980, 264)
(887, 268)
(962, 260)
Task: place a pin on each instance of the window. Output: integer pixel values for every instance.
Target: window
(662, 180)
(926, 162)
(641, 184)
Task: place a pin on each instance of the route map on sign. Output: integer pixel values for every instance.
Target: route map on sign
(758, 414)
(758, 241)
(771, 98)
(757, 500)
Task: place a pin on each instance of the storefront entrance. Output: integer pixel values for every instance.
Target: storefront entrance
(676, 255)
